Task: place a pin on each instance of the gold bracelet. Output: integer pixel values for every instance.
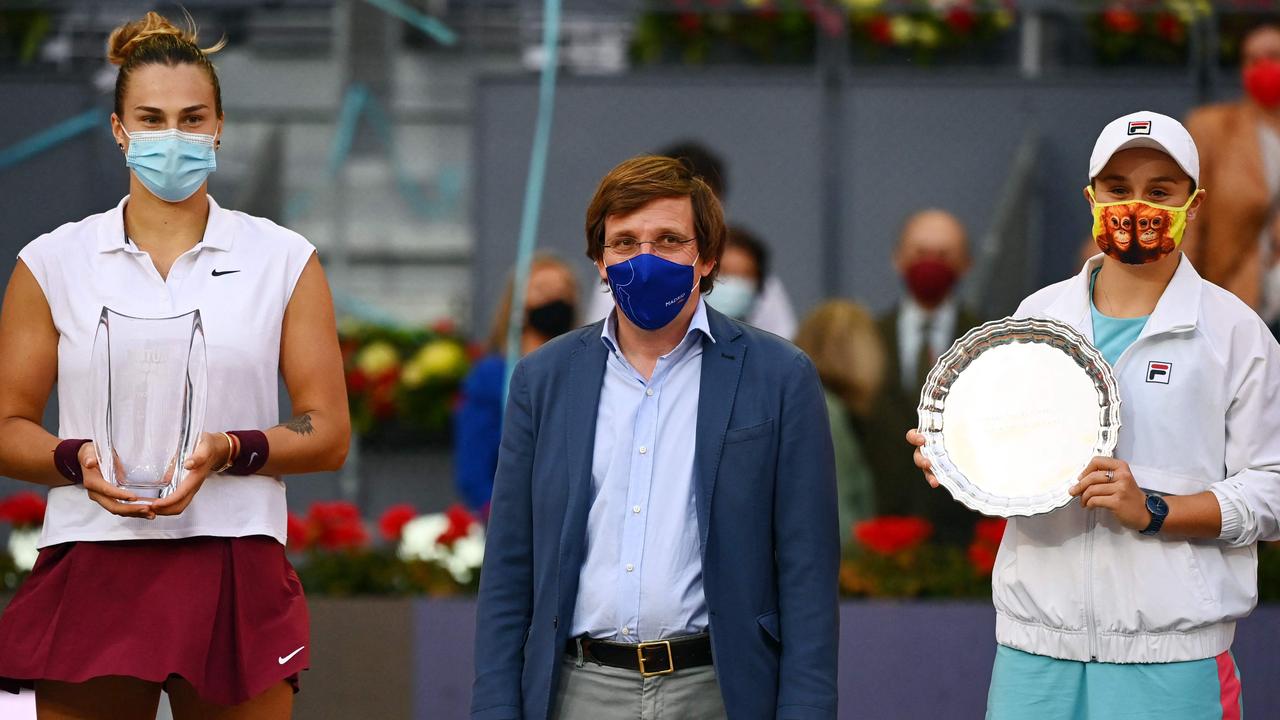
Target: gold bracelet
(231, 447)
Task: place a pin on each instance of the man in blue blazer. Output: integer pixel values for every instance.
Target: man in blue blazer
(663, 536)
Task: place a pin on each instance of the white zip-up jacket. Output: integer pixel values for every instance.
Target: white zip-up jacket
(1200, 410)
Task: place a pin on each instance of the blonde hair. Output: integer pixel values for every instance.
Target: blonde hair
(842, 340)
(153, 40)
(502, 316)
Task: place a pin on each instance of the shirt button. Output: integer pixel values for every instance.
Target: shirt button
(636, 509)
(643, 449)
(626, 631)
(630, 567)
(649, 392)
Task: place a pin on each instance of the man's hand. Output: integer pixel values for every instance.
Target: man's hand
(1108, 483)
(915, 438)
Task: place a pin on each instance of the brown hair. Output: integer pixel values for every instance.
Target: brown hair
(502, 315)
(842, 340)
(154, 40)
(645, 178)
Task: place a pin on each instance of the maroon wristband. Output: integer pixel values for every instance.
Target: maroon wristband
(66, 458)
(253, 454)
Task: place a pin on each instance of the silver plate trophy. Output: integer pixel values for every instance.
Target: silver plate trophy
(1014, 411)
(150, 381)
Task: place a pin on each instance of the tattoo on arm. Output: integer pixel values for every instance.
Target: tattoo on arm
(301, 425)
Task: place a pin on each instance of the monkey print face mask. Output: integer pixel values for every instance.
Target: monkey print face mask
(1136, 231)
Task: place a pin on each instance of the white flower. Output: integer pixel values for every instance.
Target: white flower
(22, 546)
(468, 554)
(419, 535)
(419, 540)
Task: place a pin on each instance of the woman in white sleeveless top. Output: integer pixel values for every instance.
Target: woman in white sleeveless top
(191, 593)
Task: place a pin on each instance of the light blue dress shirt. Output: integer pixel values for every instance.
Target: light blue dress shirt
(642, 576)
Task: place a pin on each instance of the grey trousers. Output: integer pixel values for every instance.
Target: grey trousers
(597, 692)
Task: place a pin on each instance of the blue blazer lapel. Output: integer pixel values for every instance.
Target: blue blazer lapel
(582, 381)
(721, 370)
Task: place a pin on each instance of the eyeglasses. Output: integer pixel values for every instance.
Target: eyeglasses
(665, 245)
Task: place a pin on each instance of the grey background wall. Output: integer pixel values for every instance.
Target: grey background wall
(902, 143)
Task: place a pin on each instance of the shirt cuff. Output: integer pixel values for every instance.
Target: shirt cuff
(1232, 518)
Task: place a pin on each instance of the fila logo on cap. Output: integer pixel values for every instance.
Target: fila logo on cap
(1139, 127)
(1158, 372)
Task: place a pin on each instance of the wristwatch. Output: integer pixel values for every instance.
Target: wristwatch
(1159, 510)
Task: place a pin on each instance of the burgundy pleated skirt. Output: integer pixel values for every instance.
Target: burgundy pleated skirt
(226, 614)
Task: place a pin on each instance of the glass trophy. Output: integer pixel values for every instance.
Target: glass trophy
(150, 380)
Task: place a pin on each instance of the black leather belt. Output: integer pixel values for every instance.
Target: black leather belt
(650, 658)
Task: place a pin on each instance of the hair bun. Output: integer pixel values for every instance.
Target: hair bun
(129, 37)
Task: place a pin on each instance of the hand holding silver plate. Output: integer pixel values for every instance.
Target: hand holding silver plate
(1014, 411)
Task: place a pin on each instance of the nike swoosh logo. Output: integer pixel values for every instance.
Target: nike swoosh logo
(220, 273)
(289, 657)
(253, 456)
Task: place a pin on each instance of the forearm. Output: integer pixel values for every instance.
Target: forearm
(312, 441)
(1193, 516)
(26, 452)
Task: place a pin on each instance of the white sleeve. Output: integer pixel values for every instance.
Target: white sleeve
(298, 254)
(1250, 495)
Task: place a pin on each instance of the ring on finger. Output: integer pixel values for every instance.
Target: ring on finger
(1109, 476)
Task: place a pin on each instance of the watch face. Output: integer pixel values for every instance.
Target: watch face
(1156, 505)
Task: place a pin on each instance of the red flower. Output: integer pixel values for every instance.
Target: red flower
(23, 509)
(297, 533)
(460, 522)
(880, 30)
(889, 535)
(1170, 27)
(831, 20)
(382, 397)
(394, 519)
(357, 381)
(983, 558)
(689, 22)
(1121, 20)
(961, 20)
(445, 326)
(990, 531)
(986, 542)
(336, 526)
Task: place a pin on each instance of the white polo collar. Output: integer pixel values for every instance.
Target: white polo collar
(217, 232)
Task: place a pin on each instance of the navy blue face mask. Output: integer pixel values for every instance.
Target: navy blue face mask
(650, 291)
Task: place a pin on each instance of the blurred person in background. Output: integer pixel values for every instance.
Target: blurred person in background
(746, 257)
(551, 309)
(741, 286)
(841, 339)
(1232, 243)
(931, 258)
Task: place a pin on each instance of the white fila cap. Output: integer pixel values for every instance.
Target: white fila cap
(1146, 129)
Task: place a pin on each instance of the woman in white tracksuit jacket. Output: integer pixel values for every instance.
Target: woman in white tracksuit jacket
(1103, 609)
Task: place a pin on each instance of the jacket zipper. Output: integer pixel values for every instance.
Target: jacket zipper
(1091, 623)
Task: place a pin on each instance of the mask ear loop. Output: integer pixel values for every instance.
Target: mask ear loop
(1180, 208)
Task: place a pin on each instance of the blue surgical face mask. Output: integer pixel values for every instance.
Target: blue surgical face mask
(171, 163)
(650, 291)
(734, 296)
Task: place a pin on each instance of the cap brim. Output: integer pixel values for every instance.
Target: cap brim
(1139, 142)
